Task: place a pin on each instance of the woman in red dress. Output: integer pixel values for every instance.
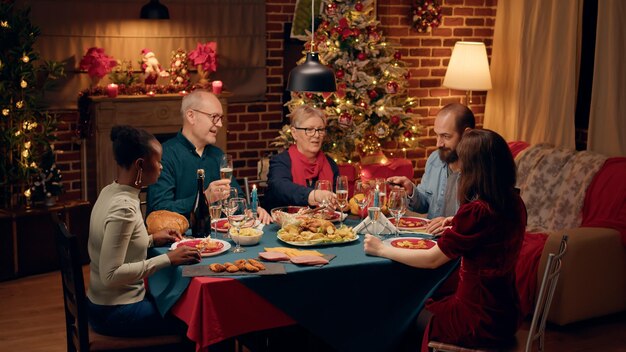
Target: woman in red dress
(486, 233)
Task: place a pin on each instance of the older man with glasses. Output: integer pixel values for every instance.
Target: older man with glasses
(293, 173)
(191, 149)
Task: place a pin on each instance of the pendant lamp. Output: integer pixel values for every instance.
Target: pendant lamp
(154, 10)
(312, 76)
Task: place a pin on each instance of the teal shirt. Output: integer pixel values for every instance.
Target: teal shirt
(176, 188)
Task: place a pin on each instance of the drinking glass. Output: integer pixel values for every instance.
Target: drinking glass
(238, 215)
(397, 206)
(323, 185)
(374, 214)
(342, 195)
(226, 167)
(229, 193)
(382, 191)
(215, 210)
(361, 187)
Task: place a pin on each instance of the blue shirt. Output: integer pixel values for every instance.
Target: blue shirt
(429, 196)
(176, 188)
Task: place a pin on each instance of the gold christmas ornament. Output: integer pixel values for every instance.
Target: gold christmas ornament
(23, 84)
(381, 130)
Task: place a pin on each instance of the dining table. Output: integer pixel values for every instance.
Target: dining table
(356, 302)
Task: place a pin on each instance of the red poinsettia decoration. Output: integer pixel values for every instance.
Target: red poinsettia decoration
(205, 55)
(97, 63)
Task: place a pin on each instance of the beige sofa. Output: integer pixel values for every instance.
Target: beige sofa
(554, 184)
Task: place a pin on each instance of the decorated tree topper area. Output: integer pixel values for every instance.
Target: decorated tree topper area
(370, 108)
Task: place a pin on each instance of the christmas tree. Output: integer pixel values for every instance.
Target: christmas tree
(370, 108)
(27, 130)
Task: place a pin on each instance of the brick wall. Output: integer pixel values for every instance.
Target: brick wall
(252, 126)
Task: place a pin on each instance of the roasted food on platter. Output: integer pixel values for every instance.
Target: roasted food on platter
(421, 244)
(287, 215)
(163, 219)
(240, 265)
(313, 230)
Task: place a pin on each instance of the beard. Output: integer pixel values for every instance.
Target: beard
(448, 155)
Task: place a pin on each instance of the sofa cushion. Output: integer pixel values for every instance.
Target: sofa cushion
(553, 182)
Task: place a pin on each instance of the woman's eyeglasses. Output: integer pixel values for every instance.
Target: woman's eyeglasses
(215, 118)
(310, 131)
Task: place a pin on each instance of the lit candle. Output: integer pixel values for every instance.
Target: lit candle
(217, 87)
(183, 92)
(255, 199)
(151, 94)
(376, 196)
(112, 90)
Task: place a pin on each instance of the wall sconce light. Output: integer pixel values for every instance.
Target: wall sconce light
(312, 76)
(154, 10)
(468, 69)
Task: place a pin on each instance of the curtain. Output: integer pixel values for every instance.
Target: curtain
(534, 70)
(607, 120)
(70, 27)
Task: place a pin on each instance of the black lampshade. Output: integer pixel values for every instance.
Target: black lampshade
(154, 10)
(311, 76)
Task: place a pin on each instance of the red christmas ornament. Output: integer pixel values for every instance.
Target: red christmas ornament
(409, 110)
(339, 73)
(397, 55)
(361, 56)
(372, 94)
(308, 95)
(408, 134)
(330, 101)
(331, 9)
(395, 119)
(345, 119)
(392, 88)
(358, 6)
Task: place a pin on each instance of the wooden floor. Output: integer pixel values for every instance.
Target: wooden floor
(32, 319)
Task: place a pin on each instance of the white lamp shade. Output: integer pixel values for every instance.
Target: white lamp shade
(468, 68)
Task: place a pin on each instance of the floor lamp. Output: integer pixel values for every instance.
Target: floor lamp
(468, 69)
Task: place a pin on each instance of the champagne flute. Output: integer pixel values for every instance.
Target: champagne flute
(229, 193)
(226, 167)
(361, 187)
(397, 206)
(342, 195)
(215, 210)
(238, 216)
(323, 185)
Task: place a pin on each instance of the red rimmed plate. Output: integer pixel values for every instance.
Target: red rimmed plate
(410, 243)
(222, 224)
(409, 223)
(219, 246)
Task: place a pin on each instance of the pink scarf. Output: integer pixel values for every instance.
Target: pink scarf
(302, 169)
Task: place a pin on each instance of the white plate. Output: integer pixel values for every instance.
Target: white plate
(219, 224)
(316, 242)
(225, 246)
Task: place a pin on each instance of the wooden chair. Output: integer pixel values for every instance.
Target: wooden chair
(79, 336)
(542, 308)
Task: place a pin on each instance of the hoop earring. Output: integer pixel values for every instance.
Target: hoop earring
(138, 178)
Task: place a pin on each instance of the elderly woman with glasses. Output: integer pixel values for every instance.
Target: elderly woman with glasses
(294, 172)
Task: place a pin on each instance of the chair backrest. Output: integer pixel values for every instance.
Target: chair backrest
(74, 297)
(544, 299)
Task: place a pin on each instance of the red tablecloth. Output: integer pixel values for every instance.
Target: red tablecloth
(211, 323)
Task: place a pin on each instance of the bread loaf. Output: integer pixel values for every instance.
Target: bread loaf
(165, 219)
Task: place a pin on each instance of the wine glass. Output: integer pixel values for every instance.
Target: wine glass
(342, 195)
(361, 187)
(226, 166)
(238, 215)
(397, 206)
(374, 214)
(215, 210)
(323, 185)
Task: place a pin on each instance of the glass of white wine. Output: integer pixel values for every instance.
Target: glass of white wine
(397, 206)
(361, 187)
(237, 217)
(341, 189)
(323, 185)
(215, 210)
(226, 167)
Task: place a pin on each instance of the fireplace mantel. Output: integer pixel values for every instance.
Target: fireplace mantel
(159, 115)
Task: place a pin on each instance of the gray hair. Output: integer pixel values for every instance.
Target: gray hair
(193, 100)
(303, 112)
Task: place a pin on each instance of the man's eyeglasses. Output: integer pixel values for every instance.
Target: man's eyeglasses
(215, 118)
(310, 131)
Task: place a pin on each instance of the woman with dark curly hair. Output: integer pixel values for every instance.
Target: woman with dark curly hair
(118, 244)
(487, 234)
